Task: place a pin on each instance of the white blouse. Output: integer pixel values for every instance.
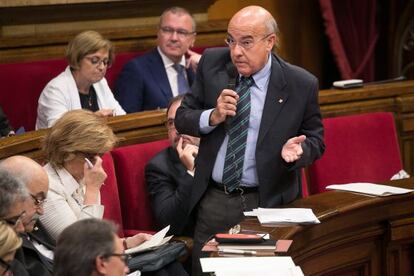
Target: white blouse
(64, 204)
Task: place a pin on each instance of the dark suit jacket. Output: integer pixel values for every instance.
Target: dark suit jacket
(29, 261)
(5, 127)
(170, 186)
(143, 84)
(291, 109)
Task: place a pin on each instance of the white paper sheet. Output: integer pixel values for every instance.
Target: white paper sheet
(157, 240)
(292, 271)
(370, 189)
(244, 263)
(284, 215)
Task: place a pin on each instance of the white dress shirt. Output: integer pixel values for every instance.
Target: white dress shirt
(171, 72)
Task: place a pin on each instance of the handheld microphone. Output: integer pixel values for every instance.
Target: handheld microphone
(233, 74)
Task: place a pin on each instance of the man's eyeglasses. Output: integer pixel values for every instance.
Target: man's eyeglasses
(6, 266)
(246, 43)
(181, 33)
(97, 61)
(38, 201)
(14, 221)
(123, 256)
(170, 124)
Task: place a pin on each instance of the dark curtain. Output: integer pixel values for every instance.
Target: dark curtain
(351, 28)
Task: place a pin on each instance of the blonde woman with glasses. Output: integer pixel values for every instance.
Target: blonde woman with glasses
(82, 85)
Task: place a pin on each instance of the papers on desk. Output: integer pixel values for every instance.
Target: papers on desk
(370, 189)
(242, 266)
(284, 216)
(156, 241)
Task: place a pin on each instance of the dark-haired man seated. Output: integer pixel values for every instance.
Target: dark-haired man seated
(169, 176)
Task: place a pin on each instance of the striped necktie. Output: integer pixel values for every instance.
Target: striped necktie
(182, 82)
(236, 147)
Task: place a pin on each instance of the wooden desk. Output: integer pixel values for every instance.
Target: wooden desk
(358, 235)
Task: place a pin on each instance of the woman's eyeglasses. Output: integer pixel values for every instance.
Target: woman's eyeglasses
(97, 61)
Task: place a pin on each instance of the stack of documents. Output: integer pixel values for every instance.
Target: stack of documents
(284, 216)
(243, 266)
(370, 189)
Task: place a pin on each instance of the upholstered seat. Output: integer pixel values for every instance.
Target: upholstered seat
(130, 162)
(359, 148)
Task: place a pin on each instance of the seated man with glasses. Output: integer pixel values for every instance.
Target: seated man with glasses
(90, 247)
(82, 85)
(169, 177)
(35, 257)
(151, 80)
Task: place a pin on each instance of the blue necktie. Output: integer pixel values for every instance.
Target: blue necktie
(182, 82)
(236, 147)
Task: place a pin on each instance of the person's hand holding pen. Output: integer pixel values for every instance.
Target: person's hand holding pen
(93, 178)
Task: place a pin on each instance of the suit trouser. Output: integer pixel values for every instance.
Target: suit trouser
(218, 212)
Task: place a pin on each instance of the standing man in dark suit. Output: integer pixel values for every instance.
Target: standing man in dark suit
(274, 114)
(150, 81)
(35, 257)
(170, 177)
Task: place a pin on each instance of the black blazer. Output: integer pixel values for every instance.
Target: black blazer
(291, 108)
(29, 261)
(143, 83)
(5, 127)
(169, 186)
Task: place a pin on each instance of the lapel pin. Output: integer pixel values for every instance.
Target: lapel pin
(280, 100)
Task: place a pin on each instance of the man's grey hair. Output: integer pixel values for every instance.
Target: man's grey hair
(12, 190)
(180, 11)
(271, 26)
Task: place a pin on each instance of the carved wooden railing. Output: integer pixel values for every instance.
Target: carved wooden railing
(397, 97)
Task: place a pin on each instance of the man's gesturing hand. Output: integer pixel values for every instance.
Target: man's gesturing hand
(292, 149)
(226, 106)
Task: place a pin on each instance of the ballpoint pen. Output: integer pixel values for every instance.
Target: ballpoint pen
(238, 251)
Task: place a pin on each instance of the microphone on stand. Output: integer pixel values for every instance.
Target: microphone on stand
(233, 74)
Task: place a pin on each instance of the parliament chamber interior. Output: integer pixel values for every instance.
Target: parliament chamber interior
(369, 130)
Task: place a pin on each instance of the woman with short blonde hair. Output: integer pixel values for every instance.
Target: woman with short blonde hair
(73, 147)
(9, 243)
(87, 43)
(80, 132)
(82, 84)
